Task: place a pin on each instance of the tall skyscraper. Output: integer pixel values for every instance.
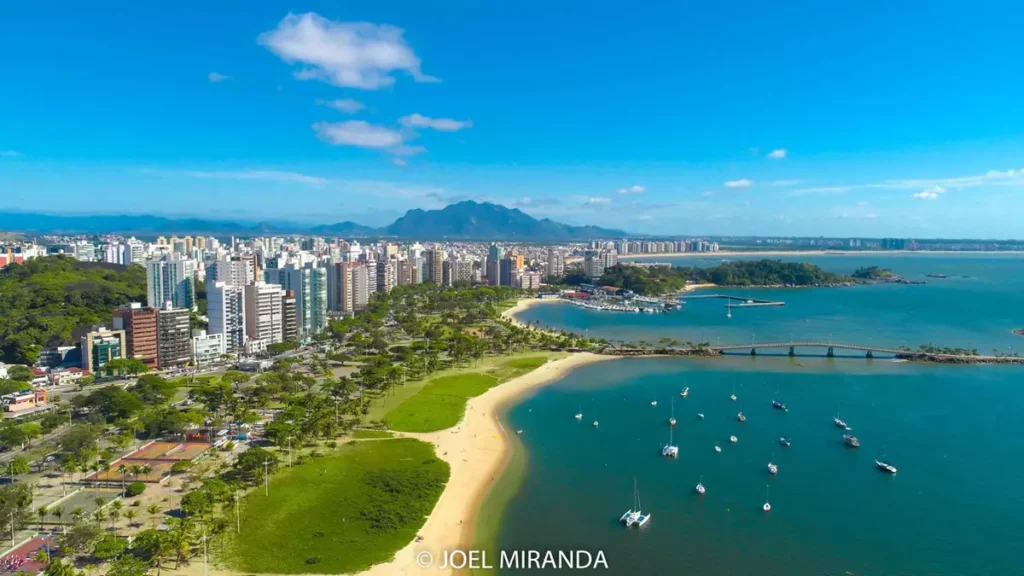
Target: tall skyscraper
(556, 262)
(235, 271)
(139, 325)
(310, 315)
(386, 272)
(434, 271)
(225, 307)
(173, 337)
(170, 279)
(263, 312)
(289, 331)
(317, 299)
(493, 254)
(507, 268)
(361, 279)
(493, 271)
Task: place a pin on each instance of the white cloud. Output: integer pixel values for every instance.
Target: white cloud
(634, 189)
(783, 183)
(597, 201)
(346, 105)
(351, 54)
(777, 154)
(929, 194)
(360, 134)
(10, 154)
(441, 124)
(743, 183)
(990, 178)
(268, 175)
(399, 162)
(216, 77)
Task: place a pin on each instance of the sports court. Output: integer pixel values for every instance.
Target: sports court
(157, 456)
(86, 500)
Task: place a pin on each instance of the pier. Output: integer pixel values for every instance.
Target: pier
(737, 301)
(830, 349)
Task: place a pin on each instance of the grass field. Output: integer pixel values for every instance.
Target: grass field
(340, 513)
(365, 434)
(441, 402)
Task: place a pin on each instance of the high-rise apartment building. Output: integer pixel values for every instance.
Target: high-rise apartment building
(493, 271)
(263, 312)
(361, 280)
(139, 325)
(386, 271)
(289, 330)
(236, 271)
(225, 307)
(170, 279)
(173, 337)
(507, 267)
(100, 346)
(317, 300)
(556, 262)
(434, 271)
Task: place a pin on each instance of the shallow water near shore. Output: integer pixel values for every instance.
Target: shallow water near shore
(953, 508)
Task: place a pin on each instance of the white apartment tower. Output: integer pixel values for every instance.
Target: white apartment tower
(170, 278)
(264, 318)
(225, 306)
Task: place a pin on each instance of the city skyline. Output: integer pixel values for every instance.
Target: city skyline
(704, 121)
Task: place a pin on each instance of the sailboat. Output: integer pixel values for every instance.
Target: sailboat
(700, 485)
(773, 468)
(579, 413)
(634, 516)
(672, 417)
(766, 506)
(670, 450)
(728, 311)
(733, 397)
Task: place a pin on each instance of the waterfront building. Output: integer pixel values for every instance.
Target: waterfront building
(174, 346)
(139, 325)
(225, 308)
(99, 346)
(263, 312)
(170, 278)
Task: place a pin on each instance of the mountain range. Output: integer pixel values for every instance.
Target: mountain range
(466, 220)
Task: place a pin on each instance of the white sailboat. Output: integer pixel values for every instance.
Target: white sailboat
(733, 397)
(733, 439)
(766, 506)
(579, 413)
(634, 516)
(700, 485)
(672, 416)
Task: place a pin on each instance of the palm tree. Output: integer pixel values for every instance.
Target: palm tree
(99, 516)
(77, 512)
(130, 515)
(124, 473)
(115, 513)
(41, 512)
(154, 510)
(100, 501)
(145, 469)
(58, 513)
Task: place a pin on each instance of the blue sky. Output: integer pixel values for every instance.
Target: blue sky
(801, 118)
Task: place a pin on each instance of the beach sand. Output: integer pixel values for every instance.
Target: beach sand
(525, 304)
(477, 449)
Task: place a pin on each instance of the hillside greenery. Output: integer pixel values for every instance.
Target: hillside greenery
(655, 280)
(42, 300)
(873, 273)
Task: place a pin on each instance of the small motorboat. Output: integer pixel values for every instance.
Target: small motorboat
(519, 431)
(718, 448)
(851, 441)
(654, 402)
(885, 467)
(779, 406)
(595, 423)
(839, 423)
(733, 439)
(784, 441)
(700, 415)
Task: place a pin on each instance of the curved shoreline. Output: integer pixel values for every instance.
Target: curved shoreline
(524, 304)
(478, 449)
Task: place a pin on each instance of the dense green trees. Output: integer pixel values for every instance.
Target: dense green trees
(656, 280)
(42, 300)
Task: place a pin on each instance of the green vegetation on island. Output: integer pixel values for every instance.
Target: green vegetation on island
(657, 280)
(42, 300)
(873, 273)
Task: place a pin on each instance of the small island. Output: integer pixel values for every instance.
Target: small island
(1019, 331)
(660, 280)
(874, 274)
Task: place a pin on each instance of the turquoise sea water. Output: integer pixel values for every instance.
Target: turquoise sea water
(955, 507)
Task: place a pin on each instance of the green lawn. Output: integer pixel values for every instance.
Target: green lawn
(441, 402)
(340, 513)
(363, 434)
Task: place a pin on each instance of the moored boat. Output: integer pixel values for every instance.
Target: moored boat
(851, 441)
(885, 467)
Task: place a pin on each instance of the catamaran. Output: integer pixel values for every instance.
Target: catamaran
(670, 450)
(634, 517)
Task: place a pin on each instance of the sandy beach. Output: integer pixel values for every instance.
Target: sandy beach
(525, 304)
(477, 449)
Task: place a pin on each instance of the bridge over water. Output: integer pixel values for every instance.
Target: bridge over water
(829, 348)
